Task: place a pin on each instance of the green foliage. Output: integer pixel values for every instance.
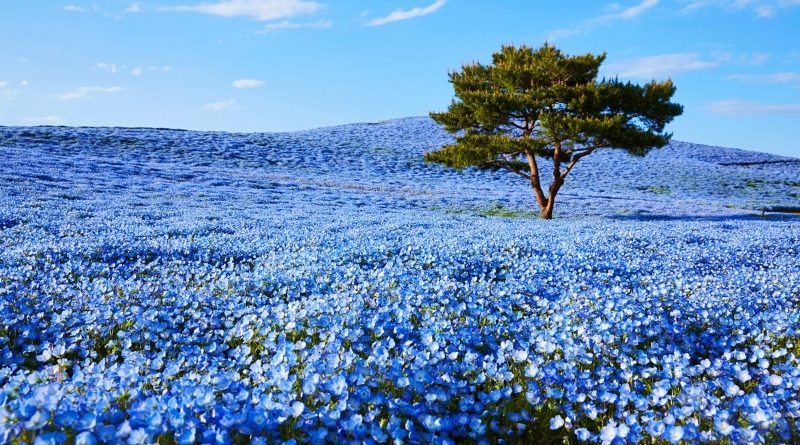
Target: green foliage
(494, 210)
(541, 102)
(657, 189)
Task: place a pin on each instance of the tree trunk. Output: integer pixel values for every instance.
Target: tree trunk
(546, 212)
(535, 184)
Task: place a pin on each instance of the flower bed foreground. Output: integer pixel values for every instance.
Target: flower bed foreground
(379, 329)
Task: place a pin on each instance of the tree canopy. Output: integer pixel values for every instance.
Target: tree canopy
(542, 103)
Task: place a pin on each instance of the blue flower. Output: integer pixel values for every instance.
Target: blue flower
(655, 428)
(138, 437)
(66, 418)
(86, 422)
(85, 438)
(55, 438)
(297, 408)
(257, 440)
(186, 436)
(608, 433)
(37, 421)
(106, 433)
(674, 433)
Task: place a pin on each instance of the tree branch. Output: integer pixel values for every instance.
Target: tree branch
(503, 165)
(517, 126)
(582, 154)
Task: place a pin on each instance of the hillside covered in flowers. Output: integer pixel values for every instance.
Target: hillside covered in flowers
(328, 286)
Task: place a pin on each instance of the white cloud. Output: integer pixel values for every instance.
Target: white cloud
(753, 58)
(81, 92)
(784, 77)
(133, 8)
(743, 108)
(320, 24)
(663, 65)
(629, 13)
(262, 10)
(617, 14)
(221, 105)
(248, 83)
(109, 67)
(23, 83)
(3, 83)
(46, 120)
(761, 8)
(692, 5)
(405, 14)
(135, 71)
(564, 32)
(765, 11)
(75, 8)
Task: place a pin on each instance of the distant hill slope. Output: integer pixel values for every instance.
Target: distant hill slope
(375, 166)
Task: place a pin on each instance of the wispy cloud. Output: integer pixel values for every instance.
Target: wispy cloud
(629, 13)
(743, 108)
(81, 92)
(783, 77)
(765, 11)
(112, 68)
(75, 8)
(760, 8)
(753, 58)
(286, 24)
(46, 120)
(663, 65)
(616, 14)
(133, 8)
(262, 10)
(405, 14)
(248, 83)
(219, 106)
(3, 83)
(114, 13)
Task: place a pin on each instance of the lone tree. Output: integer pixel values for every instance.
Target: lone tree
(544, 103)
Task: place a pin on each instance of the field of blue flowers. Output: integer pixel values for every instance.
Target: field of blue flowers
(175, 287)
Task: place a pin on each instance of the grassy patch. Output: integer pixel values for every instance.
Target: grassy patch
(656, 189)
(754, 183)
(760, 183)
(495, 210)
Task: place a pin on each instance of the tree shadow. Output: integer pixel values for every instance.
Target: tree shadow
(768, 216)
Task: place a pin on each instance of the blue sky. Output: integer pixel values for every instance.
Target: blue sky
(274, 65)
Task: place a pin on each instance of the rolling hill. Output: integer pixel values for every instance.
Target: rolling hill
(328, 286)
(375, 165)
